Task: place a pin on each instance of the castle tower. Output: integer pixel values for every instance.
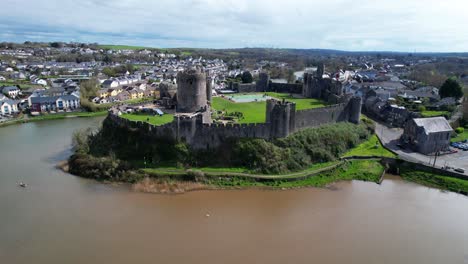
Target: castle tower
(312, 87)
(355, 110)
(209, 89)
(281, 116)
(191, 91)
(263, 82)
(320, 71)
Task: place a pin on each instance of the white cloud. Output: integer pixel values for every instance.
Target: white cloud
(403, 25)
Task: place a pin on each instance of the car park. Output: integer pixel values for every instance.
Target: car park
(460, 145)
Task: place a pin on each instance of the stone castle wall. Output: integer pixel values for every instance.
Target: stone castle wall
(194, 126)
(245, 87)
(282, 120)
(320, 116)
(295, 88)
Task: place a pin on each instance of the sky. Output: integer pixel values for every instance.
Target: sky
(352, 25)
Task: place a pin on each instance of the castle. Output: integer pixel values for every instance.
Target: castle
(193, 124)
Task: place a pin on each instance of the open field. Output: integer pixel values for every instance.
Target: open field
(52, 117)
(152, 119)
(240, 172)
(365, 170)
(460, 137)
(67, 115)
(123, 47)
(435, 180)
(255, 112)
(371, 147)
(22, 84)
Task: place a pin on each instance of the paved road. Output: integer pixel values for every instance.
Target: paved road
(390, 136)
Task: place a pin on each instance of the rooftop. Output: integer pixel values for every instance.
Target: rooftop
(433, 124)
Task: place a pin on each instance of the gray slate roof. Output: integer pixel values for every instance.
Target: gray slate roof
(433, 124)
(52, 99)
(10, 88)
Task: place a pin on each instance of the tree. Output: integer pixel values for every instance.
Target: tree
(89, 88)
(109, 71)
(451, 88)
(247, 77)
(56, 45)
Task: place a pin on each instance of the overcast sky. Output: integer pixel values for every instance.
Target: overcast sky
(373, 25)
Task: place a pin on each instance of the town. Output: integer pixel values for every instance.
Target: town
(419, 116)
(247, 131)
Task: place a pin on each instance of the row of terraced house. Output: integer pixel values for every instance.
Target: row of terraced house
(125, 92)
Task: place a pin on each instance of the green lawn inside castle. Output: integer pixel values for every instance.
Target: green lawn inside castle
(237, 112)
(254, 112)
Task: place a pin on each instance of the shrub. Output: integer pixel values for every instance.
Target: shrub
(296, 152)
(459, 130)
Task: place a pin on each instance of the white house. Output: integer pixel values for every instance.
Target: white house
(11, 91)
(123, 81)
(110, 83)
(141, 86)
(8, 107)
(41, 82)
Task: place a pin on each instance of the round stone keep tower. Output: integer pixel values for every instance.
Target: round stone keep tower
(191, 91)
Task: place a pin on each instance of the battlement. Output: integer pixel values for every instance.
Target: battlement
(191, 90)
(282, 119)
(191, 74)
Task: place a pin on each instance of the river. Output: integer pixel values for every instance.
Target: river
(60, 218)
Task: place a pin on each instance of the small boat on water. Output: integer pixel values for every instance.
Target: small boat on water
(23, 185)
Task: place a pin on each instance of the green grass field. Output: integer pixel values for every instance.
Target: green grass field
(255, 112)
(22, 84)
(434, 113)
(238, 172)
(301, 103)
(371, 147)
(364, 170)
(460, 137)
(123, 47)
(67, 115)
(152, 119)
(435, 180)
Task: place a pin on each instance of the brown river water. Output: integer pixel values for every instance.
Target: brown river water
(60, 218)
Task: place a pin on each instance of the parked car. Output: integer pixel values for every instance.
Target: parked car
(460, 170)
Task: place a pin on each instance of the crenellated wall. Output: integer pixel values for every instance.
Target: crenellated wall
(282, 120)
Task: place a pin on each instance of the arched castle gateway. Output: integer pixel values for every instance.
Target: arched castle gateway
(193, 125)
